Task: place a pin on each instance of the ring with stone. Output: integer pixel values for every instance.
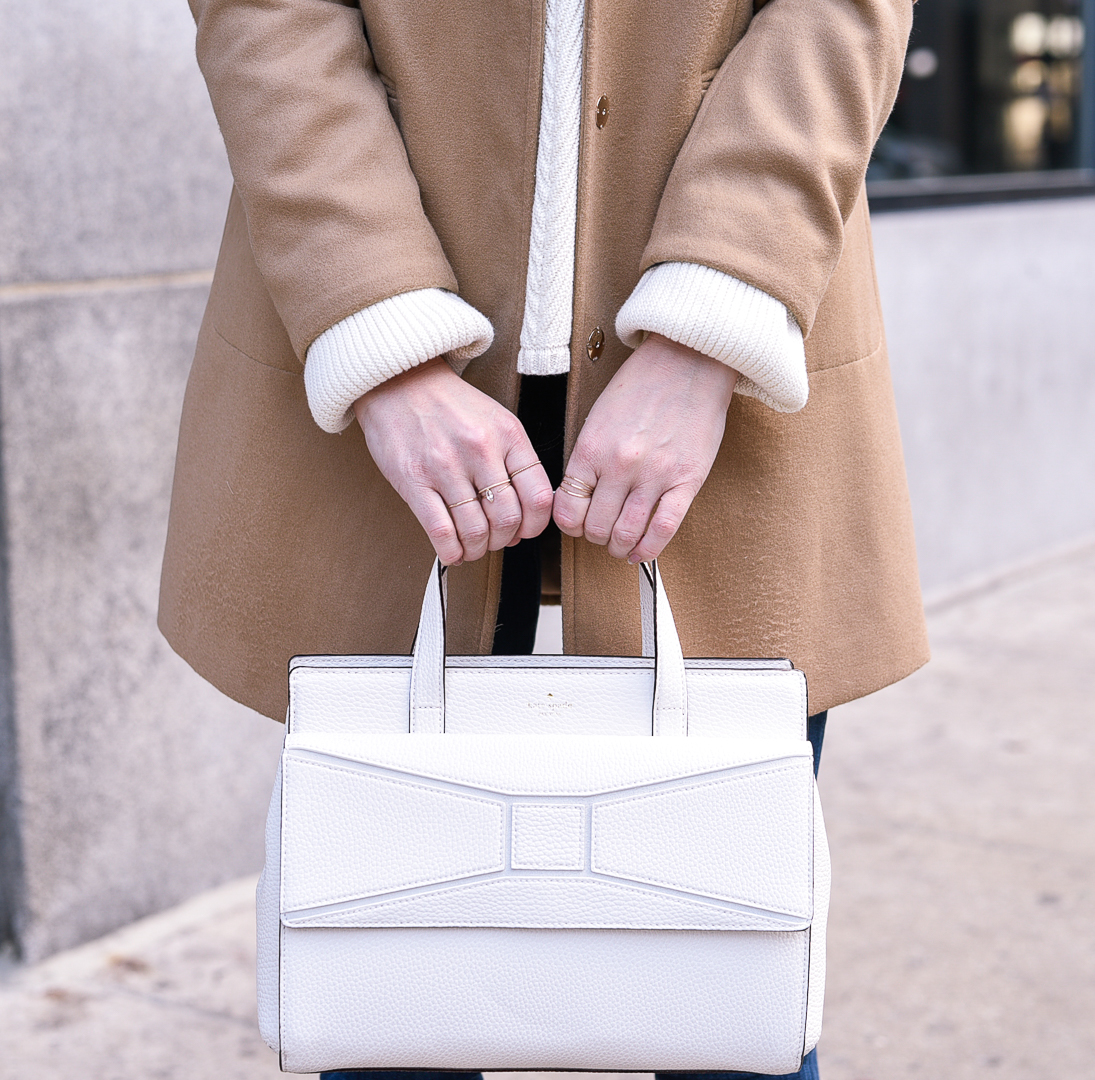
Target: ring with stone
(489, 492)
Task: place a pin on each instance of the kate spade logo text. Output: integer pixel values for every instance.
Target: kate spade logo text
(552, 705)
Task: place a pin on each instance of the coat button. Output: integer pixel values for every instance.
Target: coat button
(602, 111)
(595, 344)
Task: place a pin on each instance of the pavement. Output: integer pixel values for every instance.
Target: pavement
(961, 816)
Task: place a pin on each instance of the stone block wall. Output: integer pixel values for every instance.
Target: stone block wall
(127, 783)
(987, 316)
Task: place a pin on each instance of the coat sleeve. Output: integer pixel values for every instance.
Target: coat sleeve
(775, 159)
(333, 210)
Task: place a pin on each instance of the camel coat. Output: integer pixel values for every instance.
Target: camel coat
(391, 145)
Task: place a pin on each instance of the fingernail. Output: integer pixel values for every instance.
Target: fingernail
(633, 558)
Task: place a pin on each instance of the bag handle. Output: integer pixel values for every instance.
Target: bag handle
(428, 663)
(669, 710)
(669, 714)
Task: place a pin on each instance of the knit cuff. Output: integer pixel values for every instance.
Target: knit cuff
(724, 318)
(384, 340)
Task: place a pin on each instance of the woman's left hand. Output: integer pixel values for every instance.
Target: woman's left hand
(646, 449)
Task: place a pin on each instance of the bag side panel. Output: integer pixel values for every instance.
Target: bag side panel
(268, 923)
(822, 888)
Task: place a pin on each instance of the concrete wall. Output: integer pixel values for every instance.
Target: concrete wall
(128, 783)
(125, 782)
(988, 314)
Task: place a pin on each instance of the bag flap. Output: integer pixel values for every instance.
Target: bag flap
(551, 831)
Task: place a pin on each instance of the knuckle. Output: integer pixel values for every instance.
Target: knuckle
(663, 526)
(475, 534)
(626, 454)
(626, 537)
(507, 521)
(565, 517)
(479, 442)
(512, 429)
(541, 500)
(441, 532)
(568, 522)
(597, 534)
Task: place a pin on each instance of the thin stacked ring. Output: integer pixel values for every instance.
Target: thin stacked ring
(577, 489)
(530, 465)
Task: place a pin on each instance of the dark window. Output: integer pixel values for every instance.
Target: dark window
(992, 89)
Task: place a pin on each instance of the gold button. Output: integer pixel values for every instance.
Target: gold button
(602, 111)
(595, 345)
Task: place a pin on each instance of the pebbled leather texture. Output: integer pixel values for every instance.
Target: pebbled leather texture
(570, 765)
(546, 902)
(547, 836)
(536, 999)
(268, 926)
(701, 820)
(549, 695)
(822, 887)
(478, 872)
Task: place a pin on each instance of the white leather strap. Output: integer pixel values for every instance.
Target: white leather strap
(669, 715)
(669, 712)
(646, 609)
(428, 667)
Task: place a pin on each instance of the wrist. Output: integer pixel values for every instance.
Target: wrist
(407, 381)
(681, 361)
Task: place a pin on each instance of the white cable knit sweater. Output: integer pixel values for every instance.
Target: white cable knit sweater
(697, 306)
(549, 285)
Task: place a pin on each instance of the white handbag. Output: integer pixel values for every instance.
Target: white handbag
(469, 867)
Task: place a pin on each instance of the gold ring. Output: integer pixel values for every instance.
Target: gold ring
(462, 502)
(523, 468)
(488, 492)
(577, 489)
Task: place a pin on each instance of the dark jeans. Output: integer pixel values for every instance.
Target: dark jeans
(542, 413)
(514, 635)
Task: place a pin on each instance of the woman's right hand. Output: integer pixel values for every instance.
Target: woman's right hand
(440, 441)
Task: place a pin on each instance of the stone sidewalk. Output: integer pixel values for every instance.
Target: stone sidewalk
(960, 809)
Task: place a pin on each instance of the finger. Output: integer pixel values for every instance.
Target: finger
(533, 489)
(472, 526)
(570, 509)
(503, 513)
(632, 522)
(604, 508)
(664, 523)
(436, 518)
